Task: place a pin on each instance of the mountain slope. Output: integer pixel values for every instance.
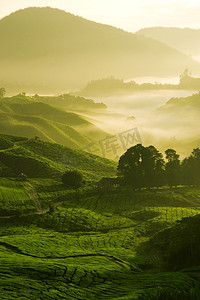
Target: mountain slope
(41, 159)
(186, 40)
(45, 49)
(20, 115)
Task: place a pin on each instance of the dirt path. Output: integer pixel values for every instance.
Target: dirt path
(33, 195)
(15, 146)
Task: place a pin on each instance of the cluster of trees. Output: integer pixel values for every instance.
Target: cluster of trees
(146, 167)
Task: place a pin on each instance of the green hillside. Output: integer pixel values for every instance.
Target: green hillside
(14, 198)
(180, 244)
(64, 51)
(91, 243)
(186, 40)
(22, 116)
(41, 159)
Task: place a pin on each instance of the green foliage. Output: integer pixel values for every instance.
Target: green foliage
(5, 144)
(172, 167)
(49, 160)
(14, 198)
(13, 138)
(93, 246)
(72, 179)
(169, 293)
(142, 167)
(190, 168)
(180, 244)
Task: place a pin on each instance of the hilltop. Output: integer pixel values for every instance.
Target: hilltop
(64, 52)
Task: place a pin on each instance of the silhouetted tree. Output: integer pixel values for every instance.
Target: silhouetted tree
(157, 174)
(142, 167)
(172, 168)
(72, 179)
(191, 168)
(130, 166)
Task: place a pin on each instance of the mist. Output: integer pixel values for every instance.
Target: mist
(156, 126)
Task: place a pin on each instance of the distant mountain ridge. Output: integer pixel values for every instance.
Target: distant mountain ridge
(186, 40)
(49, 50)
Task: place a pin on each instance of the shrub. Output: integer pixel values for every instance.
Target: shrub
(72, 179)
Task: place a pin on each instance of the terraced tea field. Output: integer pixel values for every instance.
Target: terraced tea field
(92, 247)
(14, 198)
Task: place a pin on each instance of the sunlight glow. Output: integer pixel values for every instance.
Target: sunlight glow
(130, 15)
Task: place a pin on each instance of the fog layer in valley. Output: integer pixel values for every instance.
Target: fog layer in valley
(157, 127)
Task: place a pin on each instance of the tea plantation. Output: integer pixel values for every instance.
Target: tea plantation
(92, 247)
(89, 243)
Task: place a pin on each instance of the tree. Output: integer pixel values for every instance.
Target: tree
(172, 168)
(191, 168)
(2, 92)
(157, 174)
(130, 166)
(72, 179)
(142, 167)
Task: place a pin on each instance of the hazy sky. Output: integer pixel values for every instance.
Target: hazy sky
(130, 15)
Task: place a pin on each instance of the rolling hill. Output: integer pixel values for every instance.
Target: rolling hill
(113, 244)
(186, 40)
(48, 50)
(22, 116)
(100, 246)
(188, 106)
(41, 159)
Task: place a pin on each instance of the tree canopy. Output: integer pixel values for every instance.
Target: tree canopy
(143, 166)
(72, 179)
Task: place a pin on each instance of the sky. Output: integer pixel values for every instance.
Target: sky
(130, 15)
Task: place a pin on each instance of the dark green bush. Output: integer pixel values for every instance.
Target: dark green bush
(72, 179)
